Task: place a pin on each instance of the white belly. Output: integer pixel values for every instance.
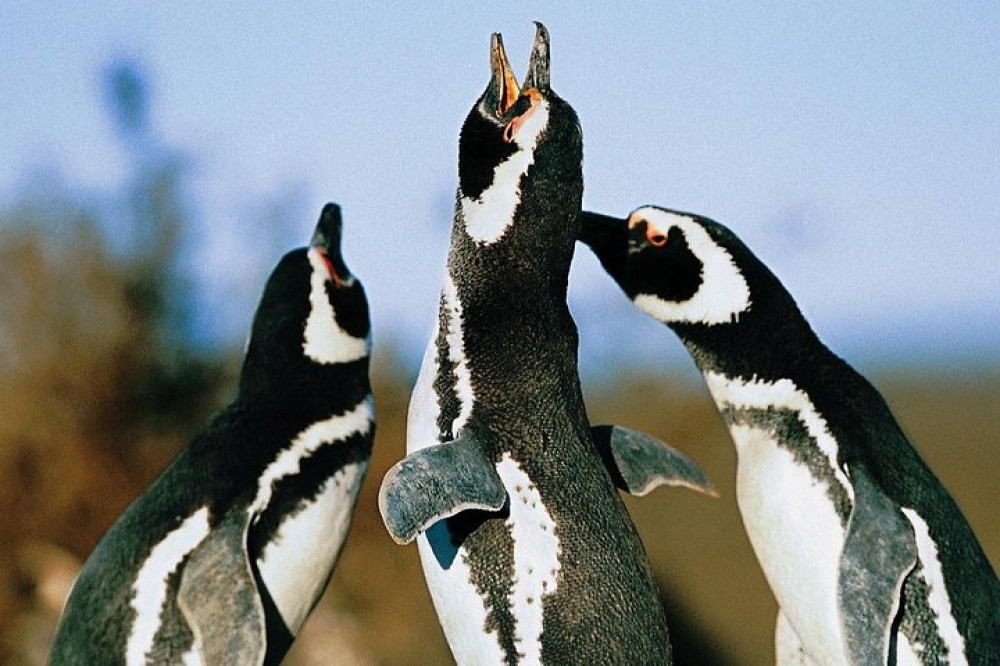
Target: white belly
(295, 566)
(797, 536)
(461, 611)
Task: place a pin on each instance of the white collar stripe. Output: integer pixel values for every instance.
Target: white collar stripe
(288, 462)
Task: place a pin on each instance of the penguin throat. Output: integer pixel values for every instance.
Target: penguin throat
(324, 340)
(488, 217)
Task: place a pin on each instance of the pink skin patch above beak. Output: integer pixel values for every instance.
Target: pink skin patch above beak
(655, 237)
(329, 268)
(515, 124)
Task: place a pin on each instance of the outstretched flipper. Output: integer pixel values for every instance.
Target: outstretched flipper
(880, 550)
(639, 462)
(218, 597)
(436, 483)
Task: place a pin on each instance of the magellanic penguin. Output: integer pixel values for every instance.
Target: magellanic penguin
(869, 557)
(224, 557)
(528, 551)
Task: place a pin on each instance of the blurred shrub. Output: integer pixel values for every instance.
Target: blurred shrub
(98, 390)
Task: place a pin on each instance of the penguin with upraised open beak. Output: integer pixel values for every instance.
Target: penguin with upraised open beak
(528, 551)
(223, 558)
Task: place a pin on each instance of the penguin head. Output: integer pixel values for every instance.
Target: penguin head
(677, 267)
(515, 133)
(313, 312)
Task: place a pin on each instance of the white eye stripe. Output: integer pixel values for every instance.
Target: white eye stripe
(723, 293)
(488, 217)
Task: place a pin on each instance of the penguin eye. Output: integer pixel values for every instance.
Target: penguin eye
(656, 238)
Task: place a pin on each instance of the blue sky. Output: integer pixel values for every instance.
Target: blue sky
(855, 146)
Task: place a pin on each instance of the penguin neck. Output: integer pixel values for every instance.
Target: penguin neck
(753, 347)
(527, 255)
(299, 385)
(507, 303)
(507, 289)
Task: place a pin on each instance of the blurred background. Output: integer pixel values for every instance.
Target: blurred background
(156, 161)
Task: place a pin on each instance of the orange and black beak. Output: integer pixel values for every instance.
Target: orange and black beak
(504, 84)
(515, 104)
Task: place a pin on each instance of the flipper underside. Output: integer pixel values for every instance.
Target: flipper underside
(639, 462)
(879, 552)
(436, 483)
(219, 599)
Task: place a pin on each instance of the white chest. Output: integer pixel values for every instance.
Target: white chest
(787, 508)
(295, 566)
(460, 606)
(796, 535)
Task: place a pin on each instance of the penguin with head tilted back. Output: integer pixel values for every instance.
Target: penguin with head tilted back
(224, 557)
(869, 557)
(527, 548)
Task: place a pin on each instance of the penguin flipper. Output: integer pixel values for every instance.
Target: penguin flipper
(218, 597)
(879, 552)
(639, 462)
(436, 483)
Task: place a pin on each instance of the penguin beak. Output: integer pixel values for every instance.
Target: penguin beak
(538, 65)
(608, 238)
(535, 82)
(326, 238)
(503, 81)
(328, 229)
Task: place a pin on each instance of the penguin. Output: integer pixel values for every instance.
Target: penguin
(225, 555)
(527, 549)
(868, 556)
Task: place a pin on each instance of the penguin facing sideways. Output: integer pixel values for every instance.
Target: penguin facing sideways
(528, 551)
(868, 556)
(222, 559)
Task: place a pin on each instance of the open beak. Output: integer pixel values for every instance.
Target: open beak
(503, 77)
(519, 101)
(326, 239)
(538, 66)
